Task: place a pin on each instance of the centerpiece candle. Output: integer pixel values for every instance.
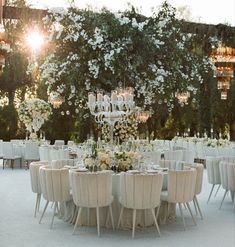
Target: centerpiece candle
(99, 97)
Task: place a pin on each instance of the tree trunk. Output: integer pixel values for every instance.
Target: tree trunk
(232, 131)
(11, 97)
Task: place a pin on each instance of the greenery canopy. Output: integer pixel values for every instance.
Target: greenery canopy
(101, 50)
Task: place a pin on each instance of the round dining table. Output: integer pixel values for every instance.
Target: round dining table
(143, 217)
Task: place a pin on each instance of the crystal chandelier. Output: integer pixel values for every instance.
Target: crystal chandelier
(224, 94)
(223, 54)
(4, 49)
(111, 109)
(224, 59)
(182, 97)
(143, 116)
(56, 100)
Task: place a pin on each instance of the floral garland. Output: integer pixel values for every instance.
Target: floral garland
(33, 113)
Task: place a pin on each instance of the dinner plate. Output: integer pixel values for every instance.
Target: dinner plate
(163, 169)
(152, 171)
(133, 171)
(69, 167)
(81, 169)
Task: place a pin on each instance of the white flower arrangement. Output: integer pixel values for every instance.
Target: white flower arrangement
(217, 143)
(126, 160)
(33, 113)
(106, 159)
(4, 47)
(209, 142)
(122, 131)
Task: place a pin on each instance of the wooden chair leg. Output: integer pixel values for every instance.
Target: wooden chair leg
(166, 213)
(210, 193)
(78, 216)
(225, 193)
(158, 209)
(55, 207)
(195, 206)
(217, 190)
(155, 221)
(199, 209)
(39, 200)
(107, 217)
(98, 220)
(43, 211)
(36, 206)
(111, 216)
(133, 223)
(120, 217)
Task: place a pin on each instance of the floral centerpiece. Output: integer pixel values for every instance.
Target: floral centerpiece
(206, 141)
(126, 160)
(33, 113)
(106, 159)
(216, 143)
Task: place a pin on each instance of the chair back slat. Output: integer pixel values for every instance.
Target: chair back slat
(181, 185)
(140, 191)
(54, 184)
(91, 189)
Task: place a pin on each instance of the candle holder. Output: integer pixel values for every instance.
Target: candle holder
(111, 109)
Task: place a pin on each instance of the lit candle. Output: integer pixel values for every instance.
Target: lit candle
(114, 96)
(131, 97)
(99, 97)
(125, 96)
(106, 98)
(90, 97)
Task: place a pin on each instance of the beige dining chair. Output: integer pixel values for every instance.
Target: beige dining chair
(92, 190)
(35, 181)
(140, 192)
(55, 187)
(181, 189)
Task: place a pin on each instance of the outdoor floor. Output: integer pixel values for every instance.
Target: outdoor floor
(19, 228)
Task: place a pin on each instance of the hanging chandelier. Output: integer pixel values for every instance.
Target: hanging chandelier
(56, 100)
(223, 54)
(182, 97)
(4, 49)
(224, 59)
(143, 116)
(113, 108)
